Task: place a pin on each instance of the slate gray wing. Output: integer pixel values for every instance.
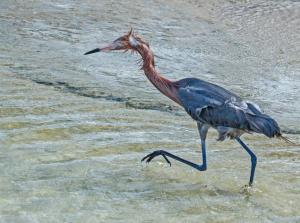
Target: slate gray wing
(198, 96)
(216, 106)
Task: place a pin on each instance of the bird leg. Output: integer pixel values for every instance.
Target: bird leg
(150, 156)
(166, 154)
(202, 132)
(253, 159)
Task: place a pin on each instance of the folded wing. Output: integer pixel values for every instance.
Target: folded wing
(214, 105)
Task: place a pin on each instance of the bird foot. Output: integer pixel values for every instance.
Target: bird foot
(246, 189)
(152, 155)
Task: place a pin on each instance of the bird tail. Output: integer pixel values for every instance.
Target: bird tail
(266, 125)
(287, 140)
(263, 124)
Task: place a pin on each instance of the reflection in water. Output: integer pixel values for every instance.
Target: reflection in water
(73, 129)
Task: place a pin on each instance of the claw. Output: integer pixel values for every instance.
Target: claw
(152, 155)
(168, 161)
(148, 158)
(145, 157)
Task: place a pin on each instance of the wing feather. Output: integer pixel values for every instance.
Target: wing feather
(214, 105)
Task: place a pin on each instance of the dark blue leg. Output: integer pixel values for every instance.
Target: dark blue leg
(253, 159)
(203, 129)
(203, 147)
(165, 154)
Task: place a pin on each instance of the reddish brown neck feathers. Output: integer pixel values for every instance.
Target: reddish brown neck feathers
(164, 85)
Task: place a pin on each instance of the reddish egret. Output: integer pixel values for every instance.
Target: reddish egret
(208, 104)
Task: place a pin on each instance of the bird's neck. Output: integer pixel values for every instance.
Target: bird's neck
(164, 85)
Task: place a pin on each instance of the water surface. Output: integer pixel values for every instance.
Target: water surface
(73, 128)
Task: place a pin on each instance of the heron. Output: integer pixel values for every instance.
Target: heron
(210, 105)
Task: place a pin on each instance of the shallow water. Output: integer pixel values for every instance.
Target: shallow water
(73, 128)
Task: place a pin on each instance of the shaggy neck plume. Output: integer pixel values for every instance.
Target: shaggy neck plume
(164, 85)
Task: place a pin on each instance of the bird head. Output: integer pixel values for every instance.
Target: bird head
(129, 41)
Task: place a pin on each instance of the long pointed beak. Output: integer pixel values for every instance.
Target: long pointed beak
(110, 47)
(93, 51)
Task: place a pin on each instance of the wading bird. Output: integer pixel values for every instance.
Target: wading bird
(208, 104)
